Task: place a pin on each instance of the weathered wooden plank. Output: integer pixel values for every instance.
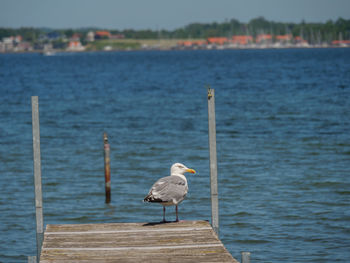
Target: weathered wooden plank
(186, 241)
(131, 239)
(139, 231)
(202, 254)
(124, 226)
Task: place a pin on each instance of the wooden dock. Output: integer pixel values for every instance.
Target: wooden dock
(187, 241)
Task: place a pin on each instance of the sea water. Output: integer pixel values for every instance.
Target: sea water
(283, 144)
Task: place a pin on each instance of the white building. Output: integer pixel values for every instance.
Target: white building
(90, 36)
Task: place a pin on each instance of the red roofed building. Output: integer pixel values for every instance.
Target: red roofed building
(217, 40)
(263, 38)
(18, 39)
(284, 38)
(191, 44)
(242, 40)
(185, 43)
(102, 34)
(75, 37)
(300, 41)
(75, 46)
(341, 43)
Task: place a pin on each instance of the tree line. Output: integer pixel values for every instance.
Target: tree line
(312, 32)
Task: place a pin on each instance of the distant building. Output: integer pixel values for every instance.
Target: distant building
(47, 47)
(242, 40)
(24, 46)
(217, 40)
(300, 42)
(341, 43)
(52, 36)
(7, 40)
(185, 44)
(284, 38)
(90, 37)
(195, 44)
(8, 44)
(102, 35)
(75, 37)
(75, 46)
(17, 39)
(14, 44)
(263, 39)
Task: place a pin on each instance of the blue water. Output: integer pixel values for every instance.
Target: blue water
(283, 144)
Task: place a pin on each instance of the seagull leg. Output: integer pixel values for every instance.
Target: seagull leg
(177, 217)
(164, 214)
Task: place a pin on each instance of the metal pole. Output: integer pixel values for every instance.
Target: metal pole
(37, 176)
(245, 257)
(213, 161)
(31, 259)
(107, 168)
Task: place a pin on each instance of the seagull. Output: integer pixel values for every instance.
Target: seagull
(170, 190)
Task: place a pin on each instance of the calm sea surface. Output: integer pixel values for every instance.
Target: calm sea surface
(283, 144)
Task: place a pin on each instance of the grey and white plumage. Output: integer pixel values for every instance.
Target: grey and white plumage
(170, 190)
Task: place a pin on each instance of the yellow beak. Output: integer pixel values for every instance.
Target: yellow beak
(191, 171)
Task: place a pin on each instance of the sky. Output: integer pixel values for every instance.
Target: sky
(162, 14)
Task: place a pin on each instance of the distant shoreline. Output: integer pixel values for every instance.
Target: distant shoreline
(230, 34)
(174, 48)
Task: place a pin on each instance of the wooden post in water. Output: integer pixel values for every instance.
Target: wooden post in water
(37, 176)
(213, 162)
(107, 168)
(245, 257)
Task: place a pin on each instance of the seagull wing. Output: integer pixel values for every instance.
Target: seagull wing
(168, 189)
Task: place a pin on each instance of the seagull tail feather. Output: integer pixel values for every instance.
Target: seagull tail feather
(150, 198)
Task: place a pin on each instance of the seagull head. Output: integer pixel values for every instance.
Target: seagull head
(179, 168)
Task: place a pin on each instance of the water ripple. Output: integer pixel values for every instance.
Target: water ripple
(283, 132)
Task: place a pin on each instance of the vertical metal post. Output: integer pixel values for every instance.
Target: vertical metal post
(31, 259)
(107, 168)
(213, 162)
(245, 257)
(37, 176)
